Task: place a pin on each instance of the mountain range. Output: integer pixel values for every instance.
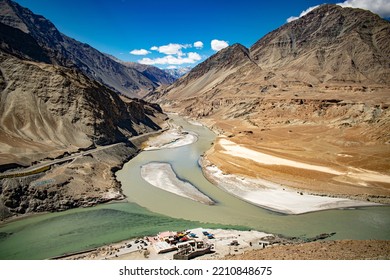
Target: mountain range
(59, 95)
(329, 46)
(65, 51)
(316, 90)
(178, 72)
(332, 53)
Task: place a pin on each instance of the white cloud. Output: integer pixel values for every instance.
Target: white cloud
(174, 55)
(198, 44)
(191, 57)
(290, 19)
(380, 7)
(140, 52)
(171, 49)
(218, 45)
(172, 67)
(194, 56)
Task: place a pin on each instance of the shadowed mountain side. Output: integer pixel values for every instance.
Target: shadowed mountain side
(21, 44)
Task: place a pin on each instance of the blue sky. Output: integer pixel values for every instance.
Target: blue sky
(163, 33)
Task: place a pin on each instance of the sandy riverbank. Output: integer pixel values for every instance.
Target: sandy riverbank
(162, 176)
(236, 150)
(273, 196)
(174, 137)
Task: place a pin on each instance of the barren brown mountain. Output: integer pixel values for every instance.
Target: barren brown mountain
(314, 91)
(50, 111)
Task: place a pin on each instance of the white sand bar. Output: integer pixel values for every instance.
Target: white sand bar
(161, 175)
(195, 123)
(236, 150)
(276, 197)
(171, 138)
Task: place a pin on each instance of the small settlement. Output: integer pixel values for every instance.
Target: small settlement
(187, 244)
(183, 245)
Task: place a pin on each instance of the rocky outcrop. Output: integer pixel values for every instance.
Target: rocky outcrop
(329, 44)
(84, 182)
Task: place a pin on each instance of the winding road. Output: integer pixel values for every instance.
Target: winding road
(43, 166)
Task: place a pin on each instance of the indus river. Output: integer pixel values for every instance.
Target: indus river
(149, 210)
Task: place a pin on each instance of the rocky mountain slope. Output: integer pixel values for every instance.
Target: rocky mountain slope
(65, 51)
(47, 108)
(50, 107)
(324, 67)
(330, 46)
(155, 74)
(49, 111)
(316, 90)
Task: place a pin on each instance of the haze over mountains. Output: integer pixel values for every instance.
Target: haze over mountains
(178, 72)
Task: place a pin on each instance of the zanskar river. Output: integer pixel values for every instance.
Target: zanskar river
(149, 210)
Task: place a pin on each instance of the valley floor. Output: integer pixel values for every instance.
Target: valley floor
(310, 159)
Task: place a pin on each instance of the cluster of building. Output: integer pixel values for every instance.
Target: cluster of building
(187, 244)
